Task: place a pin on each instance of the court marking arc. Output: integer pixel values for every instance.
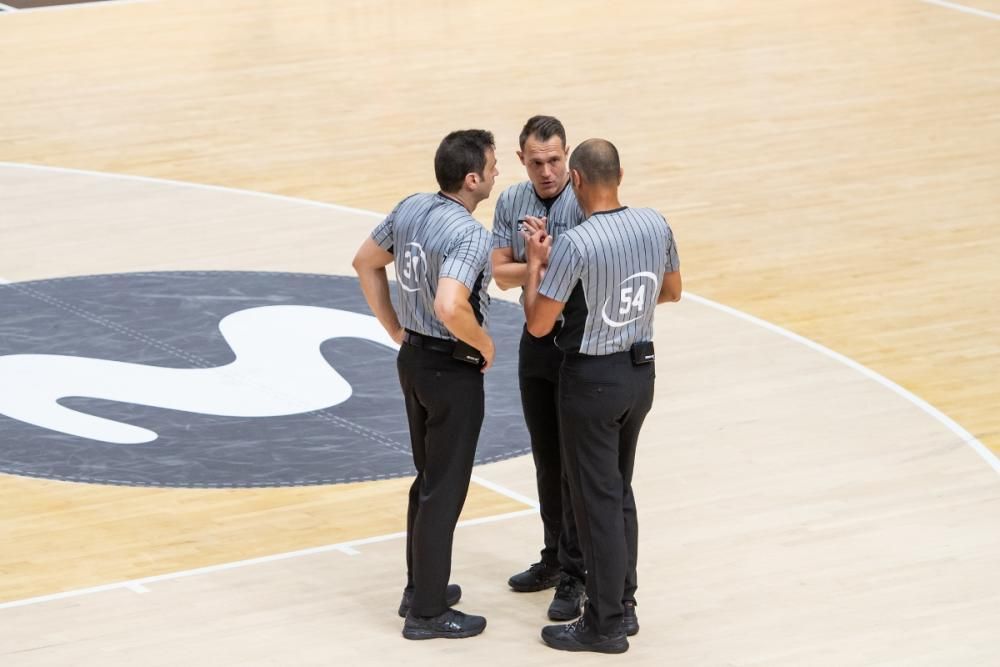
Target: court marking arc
(968, 438)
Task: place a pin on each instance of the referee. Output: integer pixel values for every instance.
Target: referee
(545, 200)
(441, 257)
(605, 277)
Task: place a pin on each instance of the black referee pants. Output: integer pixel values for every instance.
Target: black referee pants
(538, 374)
(602, 404)
(444, 407)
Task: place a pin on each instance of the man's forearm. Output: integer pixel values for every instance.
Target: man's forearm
(533, 280)
(375, 287)
(461, 321)
(510, 274)
(464, 326)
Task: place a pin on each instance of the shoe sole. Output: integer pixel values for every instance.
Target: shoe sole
(532, 589)
(592, 648)
(431, 634)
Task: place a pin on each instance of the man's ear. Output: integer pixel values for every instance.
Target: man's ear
(621, 172)
(471, 180)
(520, 156)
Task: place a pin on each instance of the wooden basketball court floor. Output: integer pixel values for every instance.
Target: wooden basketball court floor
(818, 480)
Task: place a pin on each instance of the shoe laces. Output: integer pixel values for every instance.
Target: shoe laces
(567, 587)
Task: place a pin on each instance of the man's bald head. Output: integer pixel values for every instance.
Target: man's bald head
(597, 161)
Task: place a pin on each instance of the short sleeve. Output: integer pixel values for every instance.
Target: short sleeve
(564, 271)
(467, 256)
(503, 223)
(382, 234)
(673, 261)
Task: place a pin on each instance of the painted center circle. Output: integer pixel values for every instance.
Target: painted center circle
(216, 379)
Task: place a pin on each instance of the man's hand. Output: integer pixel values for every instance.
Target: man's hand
(536, 249)
(398, 335)
(533, 224)
(489, 353)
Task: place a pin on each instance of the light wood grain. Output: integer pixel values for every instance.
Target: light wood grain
(830, 167)
(64, 537)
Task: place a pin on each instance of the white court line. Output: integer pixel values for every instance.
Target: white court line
(926, 407)
(933, 412)
(135, 584)
(79, 5)
(187, 184)
(493, 486)
(947, 421)
(964, 8)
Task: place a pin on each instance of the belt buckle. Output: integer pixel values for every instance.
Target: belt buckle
(412, 339)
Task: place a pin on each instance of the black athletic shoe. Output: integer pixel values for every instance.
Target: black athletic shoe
(538, 577)
(578, 636)
(567, 603)
(452, 624)
(629, 621)
(451, 597)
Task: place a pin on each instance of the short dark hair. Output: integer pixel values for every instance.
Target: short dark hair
(460, 153)
(597, 161)
(543, 127)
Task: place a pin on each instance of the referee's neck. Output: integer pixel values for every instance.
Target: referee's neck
(599, 200)
(462, 197)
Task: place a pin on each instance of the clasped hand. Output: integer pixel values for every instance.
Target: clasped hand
(537, 242)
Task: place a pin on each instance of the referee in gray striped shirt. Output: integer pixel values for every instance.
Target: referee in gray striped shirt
(546, 195)
(605, 277)
(441, 256)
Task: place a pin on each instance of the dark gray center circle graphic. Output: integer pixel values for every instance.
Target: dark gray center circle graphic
(216, 379)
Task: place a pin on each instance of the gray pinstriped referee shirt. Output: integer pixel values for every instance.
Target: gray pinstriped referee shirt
(608, 271)
(519, 200)
(434, 237)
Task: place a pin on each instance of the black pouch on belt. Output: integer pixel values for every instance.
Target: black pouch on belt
(643, 353)
(468, 354)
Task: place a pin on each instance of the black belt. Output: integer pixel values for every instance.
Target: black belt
(640, 353)
(429, 342)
